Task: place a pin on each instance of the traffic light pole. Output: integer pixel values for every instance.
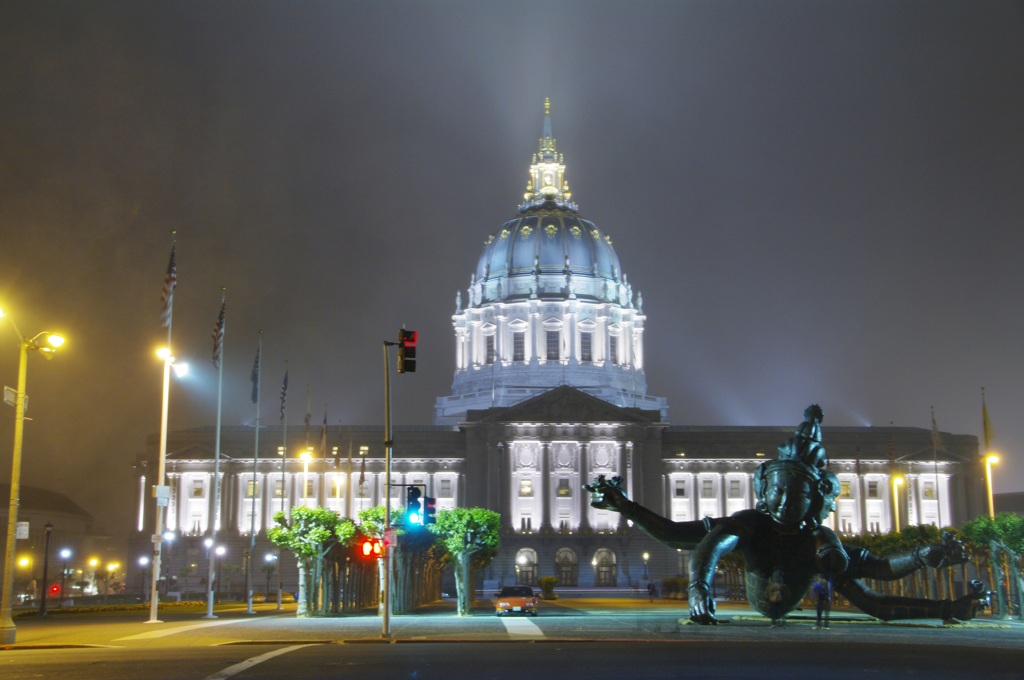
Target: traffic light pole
(386, 580)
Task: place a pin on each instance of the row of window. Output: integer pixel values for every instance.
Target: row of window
(736, 489)
(563, 490)
(252, 488)
(553, 348)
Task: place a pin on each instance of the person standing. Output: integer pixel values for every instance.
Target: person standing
(823, 593)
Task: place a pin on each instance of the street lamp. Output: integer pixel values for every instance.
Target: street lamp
(64, 555)
(46, 569)
(162, 492)
(143, 564)
(269, 558)
(219, 552)
(305, 456)
(990, 460)
(45, 343)
(896, 483)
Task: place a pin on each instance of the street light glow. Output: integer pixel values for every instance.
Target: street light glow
(990, 460)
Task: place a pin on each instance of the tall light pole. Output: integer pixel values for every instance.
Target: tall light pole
(896, 483)
(45, 342)
(990, 460)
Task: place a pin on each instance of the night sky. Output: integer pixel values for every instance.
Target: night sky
(819, 201)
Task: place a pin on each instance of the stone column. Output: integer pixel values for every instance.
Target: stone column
(545, 472)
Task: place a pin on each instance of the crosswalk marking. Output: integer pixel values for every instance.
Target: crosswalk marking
(521, 627)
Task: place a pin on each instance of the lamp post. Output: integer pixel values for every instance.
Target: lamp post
(990, 460)
(64, 555)
(46, 568)
(305, 456)
(896, 483)
(8, 632)
(143, 577)
(219, 552)
(647, 556)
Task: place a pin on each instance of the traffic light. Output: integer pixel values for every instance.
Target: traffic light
(54, 590)
(371, 548)
(429, 510)
(407, 351)
(413, 507)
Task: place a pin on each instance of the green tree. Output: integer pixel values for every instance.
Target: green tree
(471, 537)
(311, 535)
(999, 544)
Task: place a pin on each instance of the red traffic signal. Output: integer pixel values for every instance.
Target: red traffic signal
(429, 510)
(54, 590)
(407, 351)
(371, 548)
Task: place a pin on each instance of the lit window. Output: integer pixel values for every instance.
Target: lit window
(554, 339)
(519, 346)
(252, 488)
(734, 489)
(586, 346)
(490, 348)
(844, 489)
(197, 488)
(525, 487)
(680, 488)
(929, 491)
(563, 487)
(278, 488)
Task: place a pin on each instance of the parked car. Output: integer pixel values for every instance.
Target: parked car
(516, 600)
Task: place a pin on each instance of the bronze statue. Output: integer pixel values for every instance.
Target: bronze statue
(784, 537)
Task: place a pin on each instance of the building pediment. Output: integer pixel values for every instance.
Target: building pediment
(193, 452)
(564, 404)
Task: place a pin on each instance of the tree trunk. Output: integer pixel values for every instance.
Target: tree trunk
(301, 608)
(462, 584)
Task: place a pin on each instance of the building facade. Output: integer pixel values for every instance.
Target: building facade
(549, 392)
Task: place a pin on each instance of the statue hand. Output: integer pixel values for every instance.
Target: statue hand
(702, 605)
(951, 551)
(607, 494)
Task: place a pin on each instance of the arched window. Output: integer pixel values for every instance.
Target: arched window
(566, 567)
(526, 566)
(606, 573)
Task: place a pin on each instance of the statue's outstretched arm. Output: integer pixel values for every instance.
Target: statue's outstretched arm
(891, 607)
(865, 565)
(608, 494)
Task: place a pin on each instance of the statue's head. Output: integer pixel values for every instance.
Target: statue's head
(796, 489)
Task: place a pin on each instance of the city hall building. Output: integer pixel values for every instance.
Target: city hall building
(549, 392)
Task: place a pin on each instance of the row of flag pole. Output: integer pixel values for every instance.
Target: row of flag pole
(166, 316)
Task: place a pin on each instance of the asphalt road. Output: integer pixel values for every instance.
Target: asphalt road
(570, 639)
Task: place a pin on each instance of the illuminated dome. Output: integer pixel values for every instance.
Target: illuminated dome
(547, 305)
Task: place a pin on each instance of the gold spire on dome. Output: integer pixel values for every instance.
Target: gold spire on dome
(547, 172)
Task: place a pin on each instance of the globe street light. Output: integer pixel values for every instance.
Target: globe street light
(64, 555)
(990, 460)
(45, 343)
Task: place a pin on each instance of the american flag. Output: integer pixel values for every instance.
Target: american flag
(284, 395)
(218, 336)
(167, 296)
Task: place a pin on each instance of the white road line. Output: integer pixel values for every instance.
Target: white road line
(164, 632)
(249, 663)
(521, 627)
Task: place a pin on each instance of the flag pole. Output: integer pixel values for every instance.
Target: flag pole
(218, 356)
(284, 460)
(255, 483)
